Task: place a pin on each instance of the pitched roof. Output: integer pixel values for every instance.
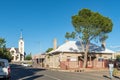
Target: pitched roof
(17, 50)
(75, 46)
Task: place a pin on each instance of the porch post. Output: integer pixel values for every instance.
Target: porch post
(90, 61)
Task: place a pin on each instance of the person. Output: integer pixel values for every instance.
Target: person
(111, 68)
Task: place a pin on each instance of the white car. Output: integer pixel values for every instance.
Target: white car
(4, 69)
(26, 64)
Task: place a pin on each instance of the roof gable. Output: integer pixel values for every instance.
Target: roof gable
(15, 49)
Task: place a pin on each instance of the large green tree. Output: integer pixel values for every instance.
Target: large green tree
(89, 25)
(4, 53)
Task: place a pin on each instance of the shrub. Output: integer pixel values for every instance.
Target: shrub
(115, 71)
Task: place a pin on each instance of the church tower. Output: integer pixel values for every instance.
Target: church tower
(21, 47)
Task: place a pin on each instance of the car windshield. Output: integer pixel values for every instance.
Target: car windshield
(2, 64)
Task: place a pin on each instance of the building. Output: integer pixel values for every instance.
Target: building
(39, 59)
(18, 53)
(69, 56)
(116, 54)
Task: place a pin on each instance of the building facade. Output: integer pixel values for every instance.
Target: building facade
(70, 56)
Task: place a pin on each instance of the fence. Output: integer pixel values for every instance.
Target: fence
(78, 64)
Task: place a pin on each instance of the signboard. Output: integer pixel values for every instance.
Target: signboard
(73, 59)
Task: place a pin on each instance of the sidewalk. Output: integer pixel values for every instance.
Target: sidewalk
(70, 70)
(77, 70)
(105, 71)
(96, 69)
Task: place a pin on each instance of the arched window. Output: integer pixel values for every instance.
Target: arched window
(12, 52)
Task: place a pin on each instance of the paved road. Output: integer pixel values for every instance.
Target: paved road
(25, 73)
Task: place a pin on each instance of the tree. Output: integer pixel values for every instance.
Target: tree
(118, 57)
(28, 57)
(88, 26)
(2, 43)
(68, 35)
(49, 49)
(4, 53)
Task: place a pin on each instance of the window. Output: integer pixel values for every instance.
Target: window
(100, 59)
(21, 43)
(2, 64)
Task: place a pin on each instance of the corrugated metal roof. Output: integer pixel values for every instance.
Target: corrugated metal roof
(75, 46)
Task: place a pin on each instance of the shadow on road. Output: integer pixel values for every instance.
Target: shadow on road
(106, 76)
(19, 72)
(117, 77)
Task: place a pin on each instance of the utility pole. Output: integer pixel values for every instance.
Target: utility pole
(40, 56)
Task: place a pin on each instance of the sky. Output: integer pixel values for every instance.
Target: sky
(43, 20)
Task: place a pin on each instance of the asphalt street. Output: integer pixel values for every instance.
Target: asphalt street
(28, 73)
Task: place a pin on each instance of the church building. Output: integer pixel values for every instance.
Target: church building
(18, 54)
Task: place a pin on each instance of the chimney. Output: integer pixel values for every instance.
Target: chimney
(54, 44)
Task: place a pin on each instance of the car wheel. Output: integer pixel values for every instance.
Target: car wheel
(8, 78)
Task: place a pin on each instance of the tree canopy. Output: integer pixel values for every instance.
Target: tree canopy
(49, 49)
(89, 25)
(4, 53)
(28, 57)
(118, 57)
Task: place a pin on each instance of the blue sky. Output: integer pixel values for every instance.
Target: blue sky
(44, 20)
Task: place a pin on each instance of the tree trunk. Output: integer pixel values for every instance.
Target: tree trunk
(85, 55)
(85, 60)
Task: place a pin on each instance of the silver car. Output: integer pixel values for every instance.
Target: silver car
(4, 69)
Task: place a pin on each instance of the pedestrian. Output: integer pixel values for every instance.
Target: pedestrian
(111, 68)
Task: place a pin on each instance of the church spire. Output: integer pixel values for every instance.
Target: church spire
(21, 47)
(21, 37)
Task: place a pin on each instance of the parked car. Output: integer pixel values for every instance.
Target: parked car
(4, 69)
(26, 64)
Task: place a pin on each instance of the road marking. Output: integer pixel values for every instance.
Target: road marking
(52, 77)
(24, 78)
